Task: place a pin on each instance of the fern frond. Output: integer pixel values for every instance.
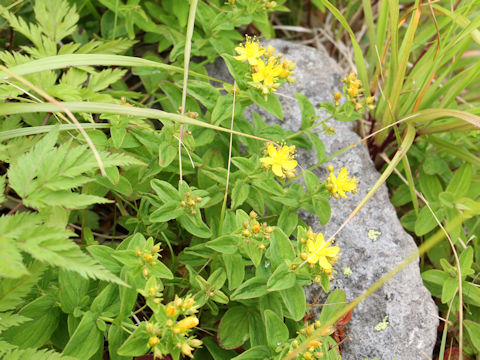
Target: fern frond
(12, 291)
(8, 320)
(52, 246)
(46, 175)
(57, 19)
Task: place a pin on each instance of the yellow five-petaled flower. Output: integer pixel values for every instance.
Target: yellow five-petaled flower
(320, 251)
(267, 73)
(281, 160)
(251, 52)
(340, 184)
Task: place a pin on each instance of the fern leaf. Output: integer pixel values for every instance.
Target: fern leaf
(5, 347)
(52, 246)
(12, 291)
(46, 174)
(105, 78)
(57, 19)
(8, 320)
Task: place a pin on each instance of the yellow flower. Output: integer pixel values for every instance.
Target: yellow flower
(251, 52)
(319, 251)
(341, 184)
(281, 160)
(267, 73)
(185, 324)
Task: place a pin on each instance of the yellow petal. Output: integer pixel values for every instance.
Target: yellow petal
(257, 77)
(272, 150)
(331, 251)
(324, 263)
(289, 165)
(277, 170)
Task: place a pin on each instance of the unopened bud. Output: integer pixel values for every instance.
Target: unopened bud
(246, 233)
(145, 272)
(148, 258)
(153, 341)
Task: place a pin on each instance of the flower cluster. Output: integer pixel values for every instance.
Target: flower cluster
(354, 93)
(253, 230)
(189, 203)
(148, 257)
(280, 159)
(268, 71)
(316, 349)
(173, 323)
(318, 251)
(340, 184)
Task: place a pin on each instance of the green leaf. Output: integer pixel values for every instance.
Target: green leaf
(252, 288)
(281, 248)
(288, 220)
(307, 109)
(85, 333)
(240, 193)
(116, 337)
(225, 244)
(57, 20)
(237, 69)
(256, 329)
(12, 291)
(10, 320)
(235, 269)
(52, 246)
(104, 255)
(430, 185)
(270, 102)
(36, 332)
(473, 330)
(471, 293)
(2, 188)
(254, 353)
(72, 289)
(336, 301)
(195, 226)
(449, 289)
(34, 354)
(318, 145)
(425, 221)
(461, 181)
(168, 211)
(233, 329)
(295, 302)
(277, 331)
(161, 270)
(281, 279)
(216, 351)
(322, 209)
(311, 181)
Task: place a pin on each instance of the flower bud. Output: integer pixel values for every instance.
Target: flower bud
(256, 228)
(337, 95)
(150, 327)
(253, 214)
(171, 310)
(195, 343)
(153, 341)
(330, 168)
(145, 272)
(185, 324)
(246, 233)
(304, 256)
(148, 258)
(186, 349)
(155, 249)
(183, 203)
(191, 202)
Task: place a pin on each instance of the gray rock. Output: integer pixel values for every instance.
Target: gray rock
(412, 314)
